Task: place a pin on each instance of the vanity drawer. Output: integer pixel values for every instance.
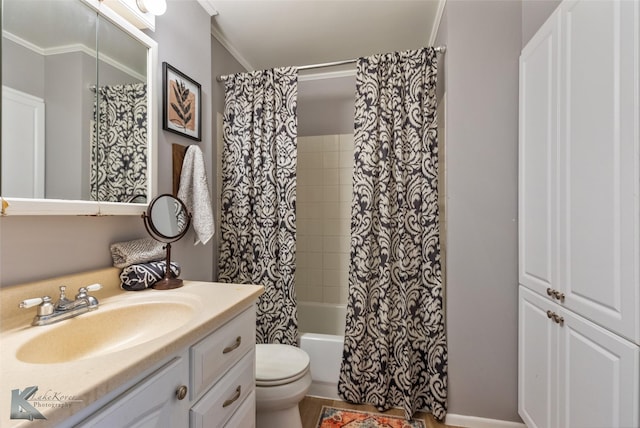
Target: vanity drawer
(245, 416)
(216, 353)
(226, 396)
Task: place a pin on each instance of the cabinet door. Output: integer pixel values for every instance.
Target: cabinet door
(538, 159)
(537, 362)
(151, 404)
(598, 375)
(599, 159)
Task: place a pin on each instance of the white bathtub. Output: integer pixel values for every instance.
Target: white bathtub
(322, 337)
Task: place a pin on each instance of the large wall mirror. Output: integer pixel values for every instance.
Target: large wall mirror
(78, 110)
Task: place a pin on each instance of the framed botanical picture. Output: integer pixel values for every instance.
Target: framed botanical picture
(181, 105)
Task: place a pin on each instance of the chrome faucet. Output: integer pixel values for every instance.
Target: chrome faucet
(49, 313)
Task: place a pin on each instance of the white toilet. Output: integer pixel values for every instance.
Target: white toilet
(282, 380)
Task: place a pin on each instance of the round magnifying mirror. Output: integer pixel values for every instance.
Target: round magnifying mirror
(167, 220)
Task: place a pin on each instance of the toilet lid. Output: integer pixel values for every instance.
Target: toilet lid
(279, 364)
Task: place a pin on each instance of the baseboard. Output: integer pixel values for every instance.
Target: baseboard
(328, 391)
(476, 422)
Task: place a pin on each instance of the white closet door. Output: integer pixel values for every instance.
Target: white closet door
(598, 376)
(23, 142)
(537, 362)
(599, 209)
(537, 159)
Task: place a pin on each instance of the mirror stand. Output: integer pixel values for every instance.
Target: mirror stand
(169, 281)
(167, 220)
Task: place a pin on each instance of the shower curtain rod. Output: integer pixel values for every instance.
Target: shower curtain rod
(440, 49)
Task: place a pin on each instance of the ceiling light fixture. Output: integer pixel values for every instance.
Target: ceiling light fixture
(154, 7)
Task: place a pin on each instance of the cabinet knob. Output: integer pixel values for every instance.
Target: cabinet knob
(558, 295)
(555, 294)
(181, 392)
(558, 319)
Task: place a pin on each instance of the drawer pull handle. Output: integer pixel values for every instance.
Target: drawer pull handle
(550, 314)
(181, 392)
(231, 400)
(232, 347)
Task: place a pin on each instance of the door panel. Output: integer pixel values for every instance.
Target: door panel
(23, 149)
(537, 159)
(599, 162)
(598, 375)
(537, 362)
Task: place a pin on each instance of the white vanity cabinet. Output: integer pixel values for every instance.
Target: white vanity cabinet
(573, 373)
(218, 373)
(579, 218)
(579, 141)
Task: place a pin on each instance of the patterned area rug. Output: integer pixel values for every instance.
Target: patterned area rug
(333, 417)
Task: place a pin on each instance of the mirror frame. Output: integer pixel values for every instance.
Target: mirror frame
(152, 227)
(26, 206)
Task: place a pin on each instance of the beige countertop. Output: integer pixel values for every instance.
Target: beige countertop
(73, 385)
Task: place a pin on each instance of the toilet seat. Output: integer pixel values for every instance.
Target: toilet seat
(278, 364)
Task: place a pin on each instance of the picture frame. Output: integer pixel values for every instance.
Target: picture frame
(181, 103)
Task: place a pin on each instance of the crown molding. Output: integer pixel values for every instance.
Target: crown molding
(208, 6)
(436, 22)
(229, 47)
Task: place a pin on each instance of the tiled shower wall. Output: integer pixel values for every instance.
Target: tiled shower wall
(324, 188)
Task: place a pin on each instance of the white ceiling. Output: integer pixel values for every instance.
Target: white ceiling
(274, 33)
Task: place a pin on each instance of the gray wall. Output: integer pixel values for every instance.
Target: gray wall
(38, 247)
(534, 13)
(483, 45)
(483, 39)
(68, 111)
(326, 106)
(23, 69)
(183, 36)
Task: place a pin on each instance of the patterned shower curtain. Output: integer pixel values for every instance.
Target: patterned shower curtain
(118, 171)
(258, 223)
(395, 352)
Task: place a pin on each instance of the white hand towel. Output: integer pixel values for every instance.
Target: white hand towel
(194, 192)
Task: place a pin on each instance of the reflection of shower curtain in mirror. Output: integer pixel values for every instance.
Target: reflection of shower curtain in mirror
(119, 150)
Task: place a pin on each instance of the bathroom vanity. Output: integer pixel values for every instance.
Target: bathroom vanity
(183, 357)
